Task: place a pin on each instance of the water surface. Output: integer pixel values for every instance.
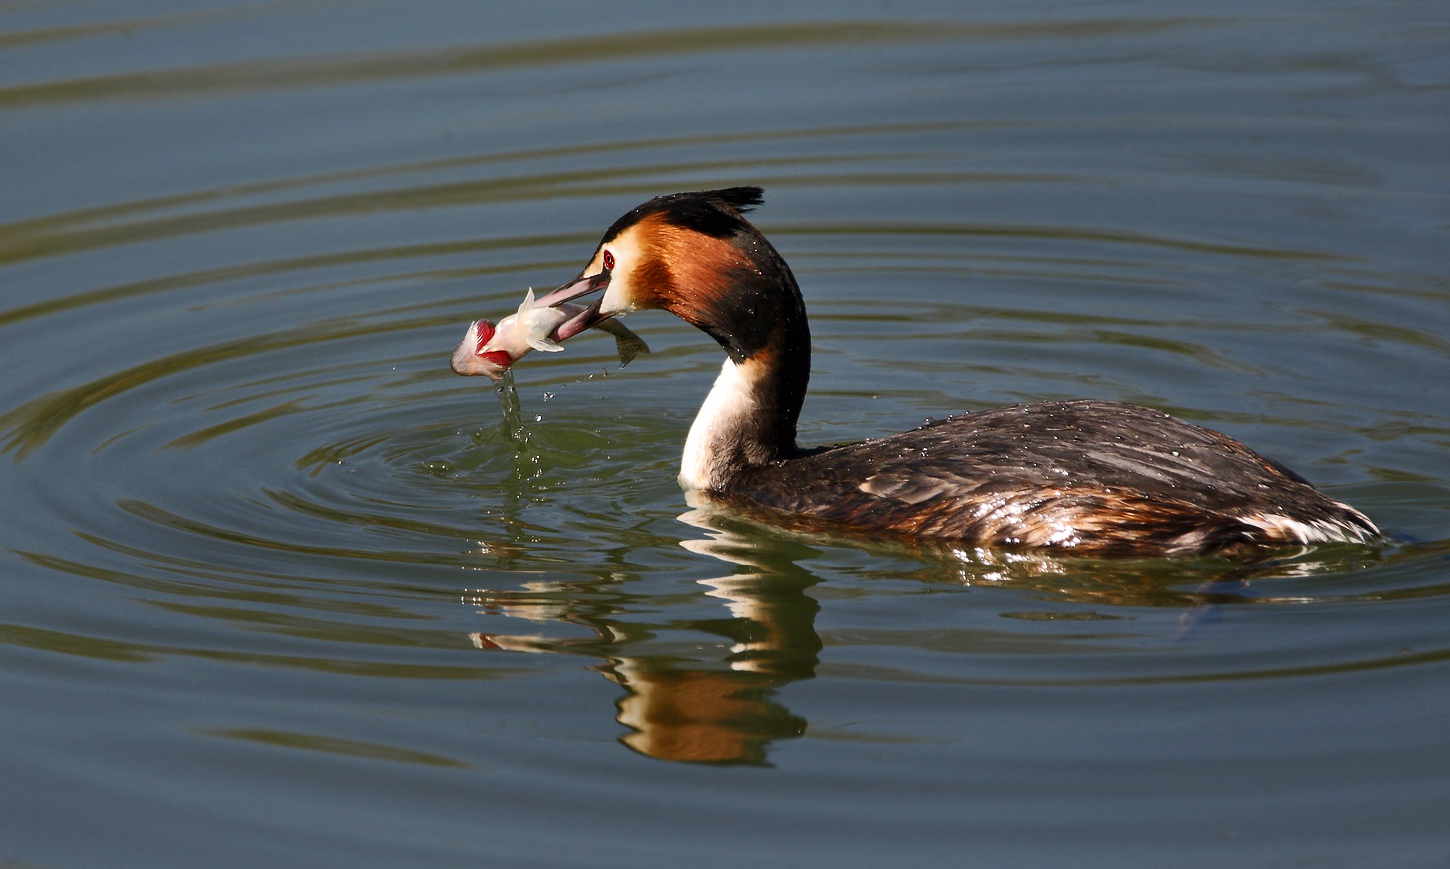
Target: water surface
(279, 589)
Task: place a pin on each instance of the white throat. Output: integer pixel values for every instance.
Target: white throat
(728, 411)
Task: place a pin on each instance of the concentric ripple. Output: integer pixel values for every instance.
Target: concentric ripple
(279, 415)
(278, 583)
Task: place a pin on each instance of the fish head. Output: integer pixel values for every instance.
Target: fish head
(474, 355)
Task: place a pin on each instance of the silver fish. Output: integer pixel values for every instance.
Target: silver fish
(490, 350)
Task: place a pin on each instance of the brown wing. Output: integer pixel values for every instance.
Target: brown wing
(1086, 476)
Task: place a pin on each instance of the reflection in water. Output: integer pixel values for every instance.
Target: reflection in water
(719, 708)
(717, 703)
(724, 712)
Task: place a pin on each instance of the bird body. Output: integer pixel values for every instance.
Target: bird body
(1092, 477)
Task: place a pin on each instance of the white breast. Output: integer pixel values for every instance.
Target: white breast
(730, 399)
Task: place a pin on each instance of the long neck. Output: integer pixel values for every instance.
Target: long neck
(749, 418)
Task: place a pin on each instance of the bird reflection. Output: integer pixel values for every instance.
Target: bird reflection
(681, 703)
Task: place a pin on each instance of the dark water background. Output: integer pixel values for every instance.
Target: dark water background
(277, 589)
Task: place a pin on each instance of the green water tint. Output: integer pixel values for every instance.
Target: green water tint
(278, 583)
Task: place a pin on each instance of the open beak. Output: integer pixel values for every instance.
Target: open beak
(585, 319)
(580, 286)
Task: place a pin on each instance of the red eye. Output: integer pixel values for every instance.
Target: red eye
(608, 261)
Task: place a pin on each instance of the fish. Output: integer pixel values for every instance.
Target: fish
(490, 350)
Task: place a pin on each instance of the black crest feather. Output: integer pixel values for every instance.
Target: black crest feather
(715, 213)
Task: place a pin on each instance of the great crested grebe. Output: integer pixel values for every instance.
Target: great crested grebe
(1094, 477)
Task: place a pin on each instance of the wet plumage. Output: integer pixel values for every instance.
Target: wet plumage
(1087, 476)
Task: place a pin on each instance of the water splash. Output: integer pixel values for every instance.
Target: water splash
(513, 413)
(527, 460)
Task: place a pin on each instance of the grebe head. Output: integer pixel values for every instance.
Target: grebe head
(696, 256)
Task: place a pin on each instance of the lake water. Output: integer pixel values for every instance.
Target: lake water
(278, 589)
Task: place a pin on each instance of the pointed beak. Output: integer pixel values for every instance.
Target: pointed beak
(589, 317)
(580, 286)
